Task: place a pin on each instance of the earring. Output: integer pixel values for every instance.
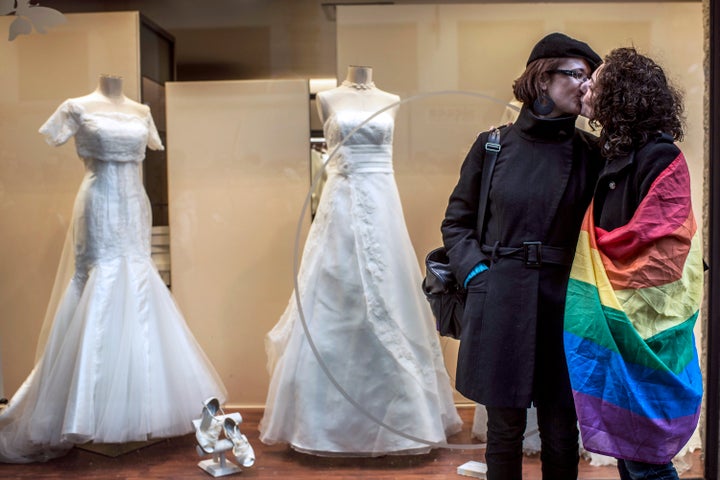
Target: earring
(543, 105)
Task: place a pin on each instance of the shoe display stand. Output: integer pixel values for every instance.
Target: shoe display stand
(219, 465)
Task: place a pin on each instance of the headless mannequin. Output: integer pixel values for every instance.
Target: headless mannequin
(109, 97)
(357, 92)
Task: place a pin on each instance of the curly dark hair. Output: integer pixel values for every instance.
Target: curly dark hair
(633, 100)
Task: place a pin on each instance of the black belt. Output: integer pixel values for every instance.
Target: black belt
(533, 254)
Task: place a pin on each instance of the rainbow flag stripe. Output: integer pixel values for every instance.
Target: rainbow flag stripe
(632, 303)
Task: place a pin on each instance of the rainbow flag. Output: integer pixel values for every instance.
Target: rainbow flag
(632, 302)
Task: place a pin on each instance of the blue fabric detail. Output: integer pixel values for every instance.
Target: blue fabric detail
(598, 372)
(480, 267)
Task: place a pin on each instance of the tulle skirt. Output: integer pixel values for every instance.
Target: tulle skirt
(119, 365)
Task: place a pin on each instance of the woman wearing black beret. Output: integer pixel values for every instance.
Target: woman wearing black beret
(516, 269)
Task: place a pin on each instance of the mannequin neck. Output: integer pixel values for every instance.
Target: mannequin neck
(110, 86)
(359, 77)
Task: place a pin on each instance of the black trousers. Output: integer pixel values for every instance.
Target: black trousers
(559, 452)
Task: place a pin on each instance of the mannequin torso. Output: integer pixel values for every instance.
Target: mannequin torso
(109, 97)
(357, 92)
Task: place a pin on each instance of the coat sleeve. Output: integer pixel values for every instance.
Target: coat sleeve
(459, 227)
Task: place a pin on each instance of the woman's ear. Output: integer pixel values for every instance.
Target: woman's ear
(543, 81)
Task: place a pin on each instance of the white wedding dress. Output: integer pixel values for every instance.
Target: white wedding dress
(120, 363)
(359, 283)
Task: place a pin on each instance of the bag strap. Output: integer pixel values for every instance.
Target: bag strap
(492, 148)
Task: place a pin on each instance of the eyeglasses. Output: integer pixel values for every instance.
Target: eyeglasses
(576, 74)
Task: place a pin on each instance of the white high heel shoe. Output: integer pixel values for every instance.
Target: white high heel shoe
(210, 427)
(242, 450)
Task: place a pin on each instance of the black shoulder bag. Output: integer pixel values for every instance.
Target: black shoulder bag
(444, 293)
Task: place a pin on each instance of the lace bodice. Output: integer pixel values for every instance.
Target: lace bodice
(111, 215)
(378, 131)
(367, 150)
(106, 136)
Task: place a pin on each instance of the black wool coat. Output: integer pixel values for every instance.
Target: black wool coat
(511, 347)
(625, 181)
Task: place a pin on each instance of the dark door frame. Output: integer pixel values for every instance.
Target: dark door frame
(712, 423)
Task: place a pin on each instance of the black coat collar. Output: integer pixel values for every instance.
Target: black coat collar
(548, 129)
(618, 164)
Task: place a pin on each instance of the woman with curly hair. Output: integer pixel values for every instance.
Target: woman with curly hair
(636, 282)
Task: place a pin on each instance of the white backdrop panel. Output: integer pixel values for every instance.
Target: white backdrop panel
(238, 172)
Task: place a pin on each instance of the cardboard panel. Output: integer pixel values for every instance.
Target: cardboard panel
(238, 173)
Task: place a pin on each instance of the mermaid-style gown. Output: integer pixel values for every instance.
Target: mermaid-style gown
(120, 363)
(359, 284)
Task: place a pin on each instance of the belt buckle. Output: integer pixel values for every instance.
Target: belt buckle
(532, 252)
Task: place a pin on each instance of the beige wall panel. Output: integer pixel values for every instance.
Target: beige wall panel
(487, 65)
(38, 183)
(238, 174)
(392, 51)
(481, 49)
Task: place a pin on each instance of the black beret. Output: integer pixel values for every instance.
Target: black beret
(559, 45)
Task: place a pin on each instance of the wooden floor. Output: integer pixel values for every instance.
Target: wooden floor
(176, 459)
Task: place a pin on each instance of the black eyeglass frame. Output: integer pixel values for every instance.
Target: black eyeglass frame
(576, 74)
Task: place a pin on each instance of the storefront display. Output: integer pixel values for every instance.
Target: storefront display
(238, 170)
